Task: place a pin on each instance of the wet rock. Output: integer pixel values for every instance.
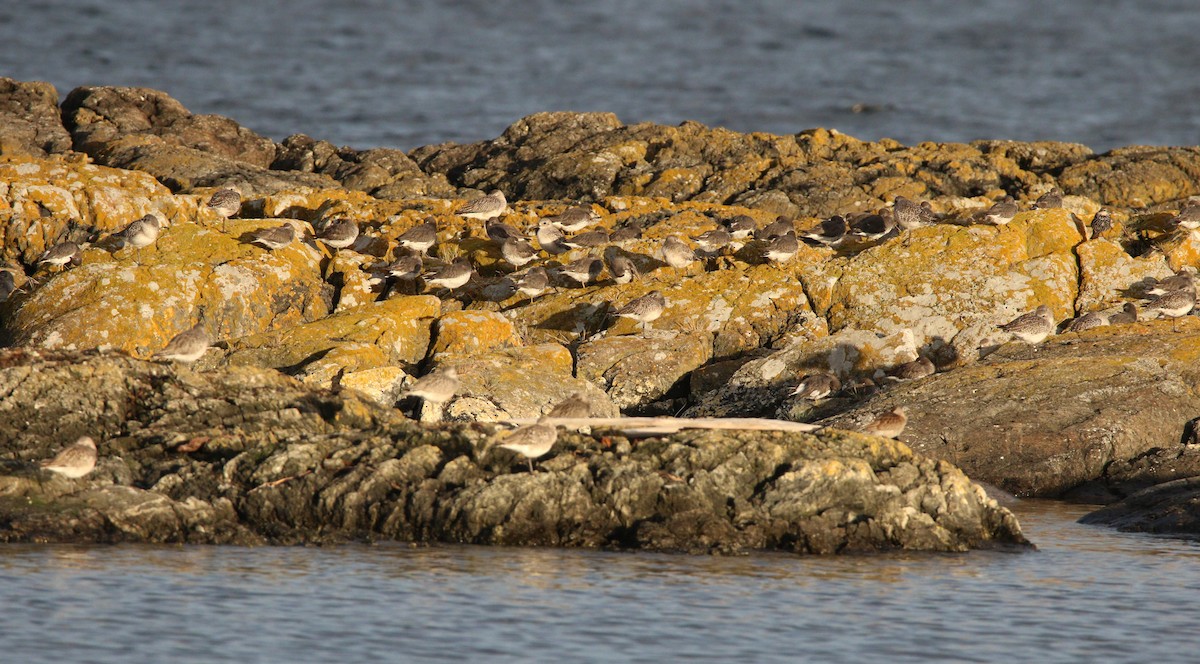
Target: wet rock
(246, 455)
(30, 123)
(1170, 508)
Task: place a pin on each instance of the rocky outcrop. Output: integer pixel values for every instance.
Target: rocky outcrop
(29, 119)
(181, 462)
(1170, 508)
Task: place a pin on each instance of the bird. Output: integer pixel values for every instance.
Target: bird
(1128, 314)
(741, 227)
(1187, 218)
(1050, 200)
(774, 229)
(551, 239)
(583, 271)
(1001, 213)
(75, 460)
(339, 233)
(187, 346)
(589, 239)
(816, 386)
(531, 441)
(909, 215)
(405, 268)
(628, 233)
(533, 282)
(226, 202)
(485, 207)
(60, 254)
(452, 276)
(274, 237)
(1172, 305)
(622, 269)
(142, 232)
(419, 238)
(1183, 279)
(644, 309)
(1088, 321)
(573, 407)
(1032, 327)
(918, 368)
(781, 248)
(888, 425)
(676, 253)
(575, 219)
(872, 226)
(517, 251)
(437, 387)
(713, 241)
(832, 232)
(1101, 222)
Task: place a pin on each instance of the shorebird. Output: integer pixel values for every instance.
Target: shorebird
(1049, 200)
(714, 241)
(677, 254)
(485, 207)
(628, 233)
(1032, 327)
(741, 226)
(622, 269)
(573, 407)
(589, 239)
(1187, 218)
(774, 229)
(832, 232)
(419, 238)
(187, 346)
(60, 254)
(452, 276)
(909, 215)
(1172, 305)
(888, 425)
(644, 309)
(75, 460)
(531, 441)
(551, 239)
(918, 368)
(1184, 279)
(436, 388)
(226, 202)
(872, 226)
(1101, 222)
(498, 231)
(1087, 321)
(339, 233)
(780, 249)
(533, 282)
(141, 233)
(575, 219)
(1000, 213)
(405, 268)
(816, 386)
(583, 271)
(274, 237)
(517, 251)
(1128, 314)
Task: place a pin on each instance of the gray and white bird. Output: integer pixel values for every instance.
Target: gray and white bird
(452, 276)
(575, 218)
(226, 203)
(141, 233)
(437, 387)
(339, 233)
(872, 226)
(780, 249)
(498, 231)
(589, 239)
(60, 254)
(1101, 222)
(583, 271)
(909, 215)
(1032, 327)
(622, 269)
(626, 234)
(914, 370)
(776, 228)
(1050, 200)
(1091, 319)
(1187, 218)
(714, 241)
(533, 282)
(187, 346)
(573, 407)
(551, 239)
(1172, 305)
(741, 227)
(75, 460)
(645, 309)
(419, 238)
(831, 233)
(1183, 279)
(676, 253)
(888, 425)
(1001, 212)
(816, 386)
(517, 251)
(531, 441)
(274, 237)
(405, 268)
(485, 207)
(1127, 314)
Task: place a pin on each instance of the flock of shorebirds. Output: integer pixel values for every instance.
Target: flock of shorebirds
(532, 274)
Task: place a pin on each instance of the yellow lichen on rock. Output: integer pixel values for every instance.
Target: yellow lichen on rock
(473, 332)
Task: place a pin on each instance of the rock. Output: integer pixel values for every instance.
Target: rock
(1107, 272)
(1135, 176)
(472, 332)
(30, 123)
(301, 465)
(636, 370)
(382, 172)
(1169, 508)
(1092, 416)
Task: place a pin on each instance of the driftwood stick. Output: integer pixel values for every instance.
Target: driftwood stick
(636, 427)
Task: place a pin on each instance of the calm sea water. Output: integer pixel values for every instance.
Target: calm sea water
(1089, 594)
(405, 73)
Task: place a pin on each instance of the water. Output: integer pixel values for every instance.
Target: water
(372, 73)
(1089, 594)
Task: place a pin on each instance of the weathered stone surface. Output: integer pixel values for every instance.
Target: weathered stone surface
(1170, 508)
(472, 333)
(30, 123)
(637, 370)
(1136, 176)
(180, 463)
(1093, 416)
(381, 172)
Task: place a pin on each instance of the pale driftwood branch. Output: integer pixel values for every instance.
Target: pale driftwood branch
(636, 427)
